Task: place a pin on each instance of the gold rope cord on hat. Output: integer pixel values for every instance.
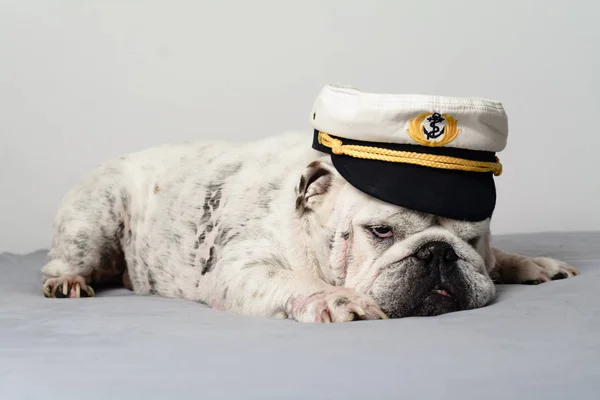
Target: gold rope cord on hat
(408, 157)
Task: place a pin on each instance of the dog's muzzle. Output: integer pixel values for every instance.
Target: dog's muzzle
(428, 283)
(439, 259)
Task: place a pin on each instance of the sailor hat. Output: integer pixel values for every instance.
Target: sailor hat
(433, 154)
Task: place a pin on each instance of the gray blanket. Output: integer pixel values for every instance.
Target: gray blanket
(534, 342)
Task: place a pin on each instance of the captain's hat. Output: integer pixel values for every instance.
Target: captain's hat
(432, 154)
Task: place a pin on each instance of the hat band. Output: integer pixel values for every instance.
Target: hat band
(407, 157)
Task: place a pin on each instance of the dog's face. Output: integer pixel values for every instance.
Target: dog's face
(410, 263)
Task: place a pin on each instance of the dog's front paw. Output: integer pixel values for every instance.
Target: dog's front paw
(337, 305)
(544, 269)
(533, 270)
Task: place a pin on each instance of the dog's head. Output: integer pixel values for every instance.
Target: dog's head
(410, 263)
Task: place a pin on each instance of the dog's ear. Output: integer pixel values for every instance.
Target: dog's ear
(316, 181)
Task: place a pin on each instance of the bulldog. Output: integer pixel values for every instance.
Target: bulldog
(383, 213)
(270, 228)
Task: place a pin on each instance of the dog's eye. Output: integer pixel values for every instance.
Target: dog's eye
(473, 242)
(382, 231)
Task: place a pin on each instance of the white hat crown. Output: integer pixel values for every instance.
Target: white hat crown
(426, 120)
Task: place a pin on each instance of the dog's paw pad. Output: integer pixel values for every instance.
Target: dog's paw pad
(69, 287)
(560, 275)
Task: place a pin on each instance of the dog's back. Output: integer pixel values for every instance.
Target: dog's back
(169, 214)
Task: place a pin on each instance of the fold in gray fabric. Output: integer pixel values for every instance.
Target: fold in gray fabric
(534, 342)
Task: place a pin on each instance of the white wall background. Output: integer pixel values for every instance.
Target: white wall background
(81, 81)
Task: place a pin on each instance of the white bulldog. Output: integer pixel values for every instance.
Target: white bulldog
(270, 228)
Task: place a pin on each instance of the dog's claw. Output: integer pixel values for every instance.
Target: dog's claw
(378, 312)
(47, 291)
(572, 270)
(325, 316)
(70, 287)
(356, 309)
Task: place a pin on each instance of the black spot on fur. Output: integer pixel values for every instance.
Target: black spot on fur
(210, 263)
(206, 214)
(197, 283)
(200, 240)
(225, 293)
(271, 274)
(342, 301)
(345, 235)
(331, 241)
(206, 208)
(300, 193)
(215, 199)
(209, 227)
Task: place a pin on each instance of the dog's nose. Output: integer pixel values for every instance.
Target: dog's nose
(436, 251)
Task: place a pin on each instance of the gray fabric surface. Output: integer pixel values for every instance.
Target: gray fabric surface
(534, 342)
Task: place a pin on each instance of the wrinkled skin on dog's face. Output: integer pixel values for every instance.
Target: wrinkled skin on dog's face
(410, 263)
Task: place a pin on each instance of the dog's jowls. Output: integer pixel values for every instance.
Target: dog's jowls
(270, 229)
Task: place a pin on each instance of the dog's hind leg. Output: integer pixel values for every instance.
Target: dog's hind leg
(89, 232)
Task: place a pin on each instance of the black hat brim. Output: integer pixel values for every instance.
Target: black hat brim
(460, 195)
